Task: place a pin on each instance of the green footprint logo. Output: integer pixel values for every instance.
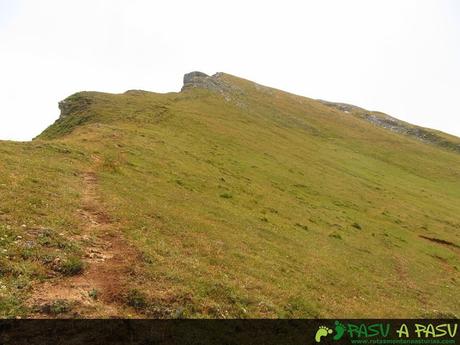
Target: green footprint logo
(322, 332)
(339, 330)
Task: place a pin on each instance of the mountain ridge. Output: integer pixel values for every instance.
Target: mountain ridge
(230, 200)
(219, 83)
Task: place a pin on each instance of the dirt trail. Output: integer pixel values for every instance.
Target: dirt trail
(109, 261)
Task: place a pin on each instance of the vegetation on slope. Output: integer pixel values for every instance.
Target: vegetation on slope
(427, 135)
(242, 201)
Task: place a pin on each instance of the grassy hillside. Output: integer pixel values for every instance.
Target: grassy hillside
(228, 199)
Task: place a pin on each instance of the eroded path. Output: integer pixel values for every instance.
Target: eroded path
(98, 291)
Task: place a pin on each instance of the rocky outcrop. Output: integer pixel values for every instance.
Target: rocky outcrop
(426, 135)
(195, 79)
(73, 104)
(202, 80)
(215, 83)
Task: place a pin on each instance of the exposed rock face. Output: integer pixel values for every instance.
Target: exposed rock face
(214, 83)
(193, 79)
(73, 104)
(65, 108)
(387, 122)
(204, 81)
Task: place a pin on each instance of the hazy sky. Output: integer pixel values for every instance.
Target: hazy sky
(400, 57)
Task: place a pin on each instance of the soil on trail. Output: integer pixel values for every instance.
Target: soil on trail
(97, 292)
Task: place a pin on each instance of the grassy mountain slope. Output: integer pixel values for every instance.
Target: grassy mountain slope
(426, 135)
(235, 200)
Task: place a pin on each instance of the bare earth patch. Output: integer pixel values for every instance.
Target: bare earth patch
(96, 292)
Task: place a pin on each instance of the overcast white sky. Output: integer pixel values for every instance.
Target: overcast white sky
(401, 57)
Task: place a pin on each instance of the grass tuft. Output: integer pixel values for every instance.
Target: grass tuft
(71, 266)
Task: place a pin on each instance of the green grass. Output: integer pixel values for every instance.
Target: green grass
(72, 266)
(57, 307)
(39, 196)
(267, 205)
(136, 299)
